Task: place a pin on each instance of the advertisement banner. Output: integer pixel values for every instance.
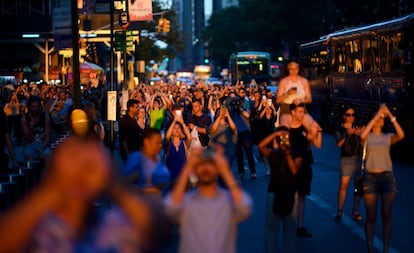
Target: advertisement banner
(140, 10)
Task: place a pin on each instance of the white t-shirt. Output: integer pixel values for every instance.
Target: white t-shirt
(300, 91)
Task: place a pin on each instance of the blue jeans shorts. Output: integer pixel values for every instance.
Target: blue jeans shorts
(380, 183)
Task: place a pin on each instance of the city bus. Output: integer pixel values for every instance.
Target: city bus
(249, 65)
(363, 66)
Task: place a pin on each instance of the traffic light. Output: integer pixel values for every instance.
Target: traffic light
(161, 23)
(164, 25)
(167, 25)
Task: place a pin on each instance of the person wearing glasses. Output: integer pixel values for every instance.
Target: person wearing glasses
(380, 182)
(348, 140)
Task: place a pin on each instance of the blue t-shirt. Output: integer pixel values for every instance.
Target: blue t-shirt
(151, 174)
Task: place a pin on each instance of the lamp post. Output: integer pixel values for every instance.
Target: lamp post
(76, 65)
(112, 84)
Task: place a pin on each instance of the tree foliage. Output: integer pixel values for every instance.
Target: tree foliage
(147, 49)
(278, 26)
(262, 25)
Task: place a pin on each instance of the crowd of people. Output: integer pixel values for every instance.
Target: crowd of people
(178, 144)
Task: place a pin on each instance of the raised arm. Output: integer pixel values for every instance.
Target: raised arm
(399, 132)
(264, 144)
(170, 129)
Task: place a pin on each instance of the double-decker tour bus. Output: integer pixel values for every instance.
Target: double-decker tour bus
(363, 66)
(245, 66)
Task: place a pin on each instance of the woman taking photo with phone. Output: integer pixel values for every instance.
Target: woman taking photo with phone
(348, 140)
(178, 141)
(380, 181)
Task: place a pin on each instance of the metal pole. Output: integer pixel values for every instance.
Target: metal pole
(125, 63)
(76, 65)
(125, 53)
(112, 85)
(46, 77)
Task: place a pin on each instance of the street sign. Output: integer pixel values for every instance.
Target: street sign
(130, 38)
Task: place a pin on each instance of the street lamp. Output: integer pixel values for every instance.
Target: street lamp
(31, 36)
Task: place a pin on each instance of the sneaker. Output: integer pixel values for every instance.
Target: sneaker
(303, 232)
(254, 176)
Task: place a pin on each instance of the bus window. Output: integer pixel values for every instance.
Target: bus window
(384, 53)
(397, 52)
(339, 58)
(367, 55)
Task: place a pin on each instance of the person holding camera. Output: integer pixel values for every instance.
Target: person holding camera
(241, 117)
(208, 215)
(178, 140)
(379, 181)
(223, 131)
(267, 122)
(282, 198)
(12, 110)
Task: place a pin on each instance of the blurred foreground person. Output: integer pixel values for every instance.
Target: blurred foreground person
(282, 197)
(208, 215)
(59, 215)
(380, 183)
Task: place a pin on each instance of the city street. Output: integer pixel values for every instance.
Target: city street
(329, 236)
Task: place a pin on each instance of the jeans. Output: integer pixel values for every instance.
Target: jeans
(273, 223)
(245, 141)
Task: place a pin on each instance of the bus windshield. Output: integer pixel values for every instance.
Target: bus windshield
(246, 66)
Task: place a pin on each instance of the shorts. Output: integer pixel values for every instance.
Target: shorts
(304, 180)
(349, 164)
(380, 183)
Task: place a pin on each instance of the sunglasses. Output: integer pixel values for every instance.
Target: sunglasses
(349, 114)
